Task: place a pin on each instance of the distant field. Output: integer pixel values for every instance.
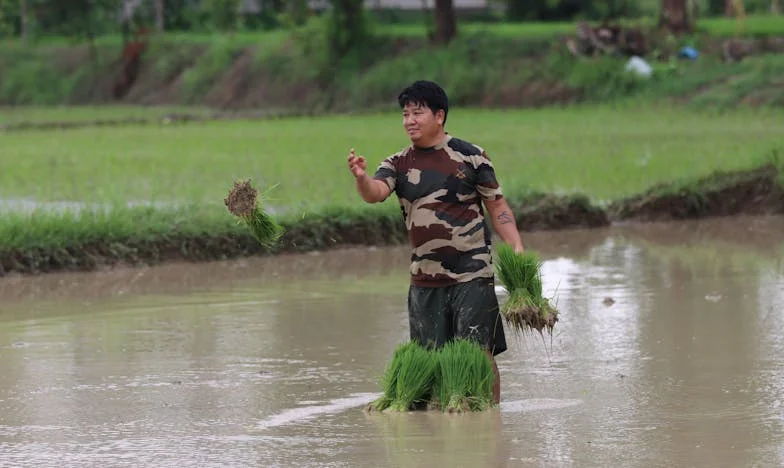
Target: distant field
(752, 25)
(33, 114)
(602, 152)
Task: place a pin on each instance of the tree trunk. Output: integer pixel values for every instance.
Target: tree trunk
(298, 11)
(428, 16)
(446, 23)
(735, 9)
(159, 15)
(23, 18)
(348, 30)
(675, 18)
(774, 7)
(729, 8)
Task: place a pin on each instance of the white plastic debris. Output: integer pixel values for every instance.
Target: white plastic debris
(639, 66)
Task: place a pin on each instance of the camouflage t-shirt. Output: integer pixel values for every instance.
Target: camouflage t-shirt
(439, 190)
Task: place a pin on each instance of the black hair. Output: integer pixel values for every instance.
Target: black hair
(425, 93)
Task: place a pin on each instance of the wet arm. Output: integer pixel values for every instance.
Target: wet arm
(372, 190)
(504, 222)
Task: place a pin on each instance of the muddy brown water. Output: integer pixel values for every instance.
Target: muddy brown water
(268, 361)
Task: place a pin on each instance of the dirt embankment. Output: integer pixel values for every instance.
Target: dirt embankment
(226, 77)
(756, 191)
(722, 194)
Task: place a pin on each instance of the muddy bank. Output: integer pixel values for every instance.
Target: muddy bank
(757, 191)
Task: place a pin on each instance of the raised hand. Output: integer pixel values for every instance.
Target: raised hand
(357, 164)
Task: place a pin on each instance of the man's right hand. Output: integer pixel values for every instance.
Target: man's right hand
(371, 190)
(357, 164)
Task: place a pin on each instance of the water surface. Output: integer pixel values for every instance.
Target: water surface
(670, 352)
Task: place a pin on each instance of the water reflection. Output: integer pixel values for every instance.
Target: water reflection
(442, 440)
(267, 361)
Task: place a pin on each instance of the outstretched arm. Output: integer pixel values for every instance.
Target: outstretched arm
(504, 222)
(371, 190)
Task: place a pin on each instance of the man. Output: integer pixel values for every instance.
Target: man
(439, 181)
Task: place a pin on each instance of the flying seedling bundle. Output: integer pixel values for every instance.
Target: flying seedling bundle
(244, 202)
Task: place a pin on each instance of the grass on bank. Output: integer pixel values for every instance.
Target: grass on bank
(47, 230)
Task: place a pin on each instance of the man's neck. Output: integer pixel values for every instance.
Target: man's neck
(432, 143)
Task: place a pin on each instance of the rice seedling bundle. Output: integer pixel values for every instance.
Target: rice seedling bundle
(389, 379)
(465, 377)
(520, 273)
(415, 378)
(243, 201)
(454, 378)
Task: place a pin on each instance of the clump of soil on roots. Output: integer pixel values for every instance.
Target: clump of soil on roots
(241, 200)
(523, 314)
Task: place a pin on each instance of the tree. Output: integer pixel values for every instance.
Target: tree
(23, 19)
(736, 9)
(159, 24)
(78, 19)
(347, 28)
(14, 15)
(675, 17)
(224, 14)
(446, 22)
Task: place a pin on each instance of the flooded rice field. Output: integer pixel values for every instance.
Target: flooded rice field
(669, 352)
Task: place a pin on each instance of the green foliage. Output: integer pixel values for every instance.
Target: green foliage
(224, 14)
(30, 77)
(78, 19)
(447, 65)
(311, 55)
(9, 18)
(296, 14)
(347, 28)
(199, 78)
(598, 79)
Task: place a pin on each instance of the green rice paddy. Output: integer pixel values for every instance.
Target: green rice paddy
(604, 152)
(183, 170)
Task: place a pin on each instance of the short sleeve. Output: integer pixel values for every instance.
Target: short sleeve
(486, 182)
(387, 172)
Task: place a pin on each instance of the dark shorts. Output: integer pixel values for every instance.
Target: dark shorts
(464, 310)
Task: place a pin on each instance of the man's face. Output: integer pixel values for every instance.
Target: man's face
(421, 123)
